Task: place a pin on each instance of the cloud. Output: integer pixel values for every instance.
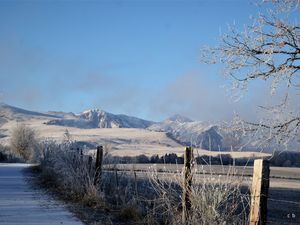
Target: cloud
(203, 97)
(192, 95)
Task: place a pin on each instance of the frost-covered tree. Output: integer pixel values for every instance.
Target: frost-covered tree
(267, 50)
(23, 141)
(67, 136)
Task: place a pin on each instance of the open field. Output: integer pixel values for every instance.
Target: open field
(120, 141)
(280, 177)
(275, 172)
(284, 192)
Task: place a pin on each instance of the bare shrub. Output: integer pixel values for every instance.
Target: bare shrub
(23, 142)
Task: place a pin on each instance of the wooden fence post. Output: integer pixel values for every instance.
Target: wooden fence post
(99, 158)
(187, 183)
(81, 155)
(90, 160)
(259, 193)
(117, 184)
(135, 184)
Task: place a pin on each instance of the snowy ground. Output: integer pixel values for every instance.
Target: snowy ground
(22, 205)
(121, 141)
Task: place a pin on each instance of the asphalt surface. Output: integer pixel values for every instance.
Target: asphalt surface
(20, 204)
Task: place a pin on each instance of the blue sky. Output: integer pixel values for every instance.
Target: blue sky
(133, 57)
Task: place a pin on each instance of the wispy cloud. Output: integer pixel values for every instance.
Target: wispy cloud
(204, 98)
(192, 95)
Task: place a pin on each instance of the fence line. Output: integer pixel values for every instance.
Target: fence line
(259, 192)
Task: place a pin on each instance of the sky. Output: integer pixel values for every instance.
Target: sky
(140, 58)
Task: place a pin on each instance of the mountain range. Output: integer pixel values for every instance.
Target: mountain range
(180, 129)
(97, 118)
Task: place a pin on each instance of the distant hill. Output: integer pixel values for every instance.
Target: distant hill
(8, 112)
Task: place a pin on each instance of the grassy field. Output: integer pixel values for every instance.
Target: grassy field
(284, 192)
(120, 141)
(275, 172)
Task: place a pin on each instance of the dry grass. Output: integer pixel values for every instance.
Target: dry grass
(214, 199)
(145, 198)
(65, 169)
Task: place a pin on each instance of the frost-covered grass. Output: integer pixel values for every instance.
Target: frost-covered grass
(145, 198)
(66, 171)
(214, 199)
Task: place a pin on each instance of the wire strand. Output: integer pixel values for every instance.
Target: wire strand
(285, 201)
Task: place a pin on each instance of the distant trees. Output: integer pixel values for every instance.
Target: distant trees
(23, 141)
(6, 155)
(286, 159)
(267, 50)
(172, 158)
(281, 159)
(3, 153)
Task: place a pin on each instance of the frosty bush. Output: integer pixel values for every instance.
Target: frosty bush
(69, 171)
(23, 141)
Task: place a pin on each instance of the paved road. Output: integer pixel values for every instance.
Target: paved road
(21, 205)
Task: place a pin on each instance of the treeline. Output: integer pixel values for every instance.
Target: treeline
(7, 156)
(172, 158)
(280, 159)
(285, 159)
(3, 157)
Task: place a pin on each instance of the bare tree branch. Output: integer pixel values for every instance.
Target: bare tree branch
(267, 50)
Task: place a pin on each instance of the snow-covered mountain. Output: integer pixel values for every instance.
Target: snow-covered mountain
(201, 134)
(178, 118)
(188, 132)
(93, 118)
(97, 118)
(210, 136)
(179, 128)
